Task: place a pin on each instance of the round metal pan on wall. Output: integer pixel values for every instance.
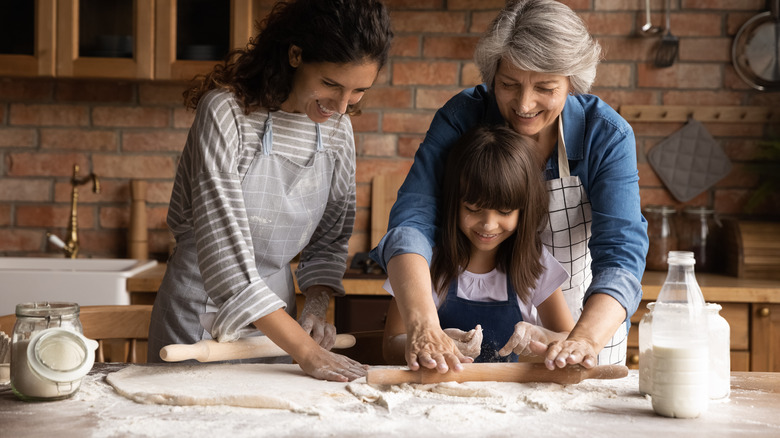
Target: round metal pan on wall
(756, 50)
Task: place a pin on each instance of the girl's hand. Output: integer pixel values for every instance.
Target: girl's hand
(313, 317)
(525, 336)
(431, 348)
(325, 365)
(469, 343)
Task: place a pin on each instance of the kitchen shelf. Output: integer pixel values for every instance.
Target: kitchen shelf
(681, 113)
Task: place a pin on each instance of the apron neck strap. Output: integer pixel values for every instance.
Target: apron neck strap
(563, 160)
(268, 136)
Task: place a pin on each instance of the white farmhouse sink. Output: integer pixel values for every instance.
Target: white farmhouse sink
(87, 282)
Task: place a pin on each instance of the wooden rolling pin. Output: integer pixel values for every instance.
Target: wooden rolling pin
(497, 372)
(209, 350)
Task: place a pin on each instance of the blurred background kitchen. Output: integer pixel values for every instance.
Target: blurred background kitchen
(98, 83)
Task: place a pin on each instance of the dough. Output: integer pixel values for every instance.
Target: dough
(272, 386)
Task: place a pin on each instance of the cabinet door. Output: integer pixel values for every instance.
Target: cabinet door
(105, 38)
(194, 35)
(27, 31)
(765, 338)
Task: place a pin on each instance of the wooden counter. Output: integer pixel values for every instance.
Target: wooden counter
(716, 288)
(752, 308)
(591, 408)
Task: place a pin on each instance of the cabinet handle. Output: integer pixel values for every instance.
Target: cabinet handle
(634, 359)
(764, 311)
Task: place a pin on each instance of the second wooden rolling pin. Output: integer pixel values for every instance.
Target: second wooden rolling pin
(209, 350)
(497, 372)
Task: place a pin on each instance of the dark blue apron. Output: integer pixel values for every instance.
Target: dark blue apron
(498, 319)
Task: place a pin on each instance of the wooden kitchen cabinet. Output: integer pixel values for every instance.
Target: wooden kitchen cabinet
(27, 39)
(124, 39)
(765, 333)
(105, 39)
(193, 35)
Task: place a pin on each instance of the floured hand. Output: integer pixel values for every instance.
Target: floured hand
(469, 343)
(326, 365)
(313, 317)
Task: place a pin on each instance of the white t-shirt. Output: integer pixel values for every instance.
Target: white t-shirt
(492, 287)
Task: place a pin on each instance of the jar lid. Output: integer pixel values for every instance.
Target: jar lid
(684, 258)
(61, 355)
(42, 309)
(663, 209)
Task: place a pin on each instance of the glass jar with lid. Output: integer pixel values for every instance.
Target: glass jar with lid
(662, 234)
(699, 230)
(49, 353)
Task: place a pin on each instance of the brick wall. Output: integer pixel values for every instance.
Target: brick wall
(136, 129)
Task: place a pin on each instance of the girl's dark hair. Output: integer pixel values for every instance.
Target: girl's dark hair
(334, 31)
(493, 168)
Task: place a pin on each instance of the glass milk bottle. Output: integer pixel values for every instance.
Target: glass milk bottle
(646, 351)
(680, 343)
(720, 353)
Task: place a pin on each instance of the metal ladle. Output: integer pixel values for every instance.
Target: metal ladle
(648, 29)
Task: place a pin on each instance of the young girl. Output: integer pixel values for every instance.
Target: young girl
(494, 284)
(268, 172)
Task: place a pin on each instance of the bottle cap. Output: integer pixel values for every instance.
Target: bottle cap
(61, 355)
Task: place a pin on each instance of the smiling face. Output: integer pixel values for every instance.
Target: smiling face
(531, 102)
(486, 229)
(322, 89)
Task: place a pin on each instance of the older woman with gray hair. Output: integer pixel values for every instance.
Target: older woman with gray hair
(537, 61)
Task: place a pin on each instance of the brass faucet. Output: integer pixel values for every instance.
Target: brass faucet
(71, 247)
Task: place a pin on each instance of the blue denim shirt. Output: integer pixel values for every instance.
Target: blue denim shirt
(601, 150)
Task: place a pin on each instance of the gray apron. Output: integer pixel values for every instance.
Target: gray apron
(284, 203)
(567, 237)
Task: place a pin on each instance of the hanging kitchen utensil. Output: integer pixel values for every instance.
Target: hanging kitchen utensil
(689, 161)
(496, 372)
(648, 29)
(755, 52)
(669, 45)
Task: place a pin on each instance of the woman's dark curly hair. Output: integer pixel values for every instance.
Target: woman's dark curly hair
(335, 31)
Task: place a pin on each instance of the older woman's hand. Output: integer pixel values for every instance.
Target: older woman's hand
(559, 354)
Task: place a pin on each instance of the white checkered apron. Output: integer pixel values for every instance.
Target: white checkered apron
(567, 236)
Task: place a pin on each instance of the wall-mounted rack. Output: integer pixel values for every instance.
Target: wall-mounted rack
(681, 113)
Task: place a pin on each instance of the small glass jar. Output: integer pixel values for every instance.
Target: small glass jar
(49, 353)
(646, 351)
(720, 353)
(698, 229)
(662, 235)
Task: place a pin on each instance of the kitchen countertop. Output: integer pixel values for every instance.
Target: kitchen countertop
(590, 408)
(716, 288)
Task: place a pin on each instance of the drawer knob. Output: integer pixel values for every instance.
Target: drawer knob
(634, 359)
(764, 311)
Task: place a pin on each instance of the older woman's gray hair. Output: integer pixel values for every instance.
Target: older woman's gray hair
(542, 36)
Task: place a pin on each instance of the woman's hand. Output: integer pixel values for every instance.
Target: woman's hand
(566, 352)
(469, 343)
(601, 317)
(326, 365)
(313, 316)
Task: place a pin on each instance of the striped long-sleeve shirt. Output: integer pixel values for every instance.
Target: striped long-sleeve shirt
(218, 207)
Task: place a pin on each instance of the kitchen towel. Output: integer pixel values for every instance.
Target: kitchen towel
(689, 161)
